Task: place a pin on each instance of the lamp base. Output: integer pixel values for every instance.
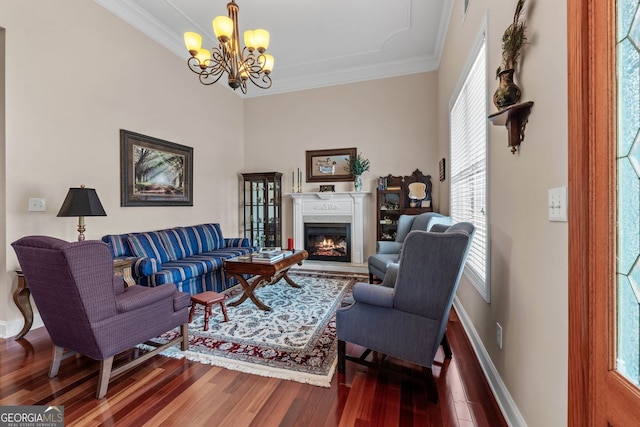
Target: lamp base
(81, 228)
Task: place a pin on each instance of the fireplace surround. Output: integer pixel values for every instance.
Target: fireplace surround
(331, 208)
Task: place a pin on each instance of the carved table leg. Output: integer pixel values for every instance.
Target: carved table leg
(21, 298)
(290, 280)
(248, 291)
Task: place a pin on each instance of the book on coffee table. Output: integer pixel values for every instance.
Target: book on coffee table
(270, 250)
(266, 257)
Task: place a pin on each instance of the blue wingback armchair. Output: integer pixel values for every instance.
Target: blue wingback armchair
(408, 319)
(389, 252)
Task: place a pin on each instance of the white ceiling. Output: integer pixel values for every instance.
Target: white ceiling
(315, 43)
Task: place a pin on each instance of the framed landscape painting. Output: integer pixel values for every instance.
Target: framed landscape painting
(154, 172)
(329, 165)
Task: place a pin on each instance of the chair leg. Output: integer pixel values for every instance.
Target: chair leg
(104, 376)
(430, 384)
(184, 345)
(370, 277)
(446, 347)
(341, 356)
(56, 358)
(191, 310)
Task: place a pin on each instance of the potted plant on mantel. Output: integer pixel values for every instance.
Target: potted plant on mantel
(356, 167)
(513, 41)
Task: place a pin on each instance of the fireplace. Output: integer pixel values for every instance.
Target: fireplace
(330, 208)
(328, 241)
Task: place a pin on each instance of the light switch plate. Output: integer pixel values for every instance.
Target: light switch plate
(557, 204)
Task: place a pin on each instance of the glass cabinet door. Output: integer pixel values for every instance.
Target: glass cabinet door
(262, 208)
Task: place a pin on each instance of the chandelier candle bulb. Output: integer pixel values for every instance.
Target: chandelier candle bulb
(204, 57)
(266, 62)
(249, 40)
(223, 28)
(193, 41)
(261, 39)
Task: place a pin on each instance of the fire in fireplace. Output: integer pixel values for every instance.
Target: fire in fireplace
(328, 242)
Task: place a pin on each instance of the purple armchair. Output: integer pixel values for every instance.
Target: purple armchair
(88, 310)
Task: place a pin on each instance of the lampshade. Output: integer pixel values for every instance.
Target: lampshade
(82, 202)
(261, 39)
(193, 41)
(204, 56)
(266, 62)
(249, 40)
(223, 28)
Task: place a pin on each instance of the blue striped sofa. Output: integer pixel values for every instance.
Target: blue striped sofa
(191, 257)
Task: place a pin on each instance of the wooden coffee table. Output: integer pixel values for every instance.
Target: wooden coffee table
(267, 275)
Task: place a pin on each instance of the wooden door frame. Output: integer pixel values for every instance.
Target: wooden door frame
(583, 129)
(597, 394)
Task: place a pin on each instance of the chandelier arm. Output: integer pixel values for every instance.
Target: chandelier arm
(220, 56)
(194, 65)
(209, 78)
(256, 79)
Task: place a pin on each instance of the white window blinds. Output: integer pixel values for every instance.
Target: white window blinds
(468, 127)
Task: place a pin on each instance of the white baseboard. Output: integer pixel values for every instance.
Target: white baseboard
(12, 328)
(510, 411)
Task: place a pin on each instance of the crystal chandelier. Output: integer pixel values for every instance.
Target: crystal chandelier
(240, 65)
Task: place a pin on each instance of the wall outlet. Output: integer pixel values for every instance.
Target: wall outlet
(37, 205)
(499, 335)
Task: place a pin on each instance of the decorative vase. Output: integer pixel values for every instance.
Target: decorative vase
(508, 93)
(357, 182)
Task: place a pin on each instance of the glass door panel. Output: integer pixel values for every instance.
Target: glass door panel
(628, 191)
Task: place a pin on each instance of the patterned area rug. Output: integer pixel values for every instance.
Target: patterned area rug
(295, 341)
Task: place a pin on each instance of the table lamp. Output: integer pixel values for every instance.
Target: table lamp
(81, 202)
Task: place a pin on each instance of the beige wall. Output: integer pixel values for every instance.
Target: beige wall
(76, 75)
(4, 302)
(392, 122)
(529, 266)
(67, 96)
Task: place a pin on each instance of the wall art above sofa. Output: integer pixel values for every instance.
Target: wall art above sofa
(154, 172)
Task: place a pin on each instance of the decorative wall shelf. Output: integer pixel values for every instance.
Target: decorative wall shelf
(515, 118)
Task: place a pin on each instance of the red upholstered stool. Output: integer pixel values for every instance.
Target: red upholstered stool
(207, 299)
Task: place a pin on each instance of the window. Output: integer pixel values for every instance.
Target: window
(468, 140)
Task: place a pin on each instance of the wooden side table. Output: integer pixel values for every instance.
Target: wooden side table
(21, 298)
(122, 267)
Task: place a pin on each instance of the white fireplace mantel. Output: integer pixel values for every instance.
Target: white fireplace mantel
(331, 207)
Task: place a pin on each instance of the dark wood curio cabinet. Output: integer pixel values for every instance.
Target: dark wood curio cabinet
(263, 208)
(394, 199)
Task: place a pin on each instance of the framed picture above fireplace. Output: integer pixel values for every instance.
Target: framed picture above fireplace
(329, 165)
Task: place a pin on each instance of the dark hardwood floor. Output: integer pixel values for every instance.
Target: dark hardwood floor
(170, 392)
